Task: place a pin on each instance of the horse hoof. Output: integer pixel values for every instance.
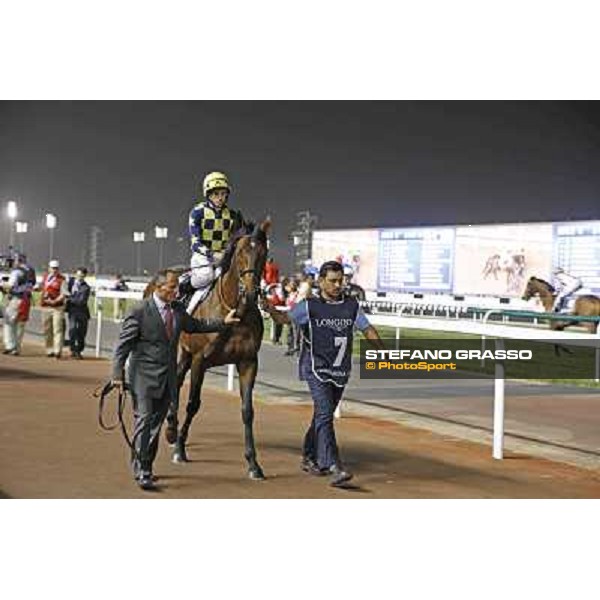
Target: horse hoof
(256, 474)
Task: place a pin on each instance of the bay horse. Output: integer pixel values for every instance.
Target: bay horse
(237, 287)
(585, 306)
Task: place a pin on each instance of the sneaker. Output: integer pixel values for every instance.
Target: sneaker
(147, 484)
(339, 476)
(308, 465)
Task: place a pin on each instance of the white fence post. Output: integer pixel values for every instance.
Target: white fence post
(230, 371)
(499, 405)
(98, 325)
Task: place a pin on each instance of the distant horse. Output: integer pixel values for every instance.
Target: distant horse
(237, 287)
(585, 306)
(513, 265)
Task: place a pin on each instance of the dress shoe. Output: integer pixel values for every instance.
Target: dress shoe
(339, 476)
(308, 465)
(6, 351)
(50, 354)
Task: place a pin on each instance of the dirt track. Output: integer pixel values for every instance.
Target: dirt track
(52, 447)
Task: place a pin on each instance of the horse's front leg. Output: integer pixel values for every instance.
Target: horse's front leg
(193, 406)
(247, 374)
(183, 367)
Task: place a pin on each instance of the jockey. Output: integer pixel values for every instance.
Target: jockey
(350, 289)
(211, 225)
(566, 285)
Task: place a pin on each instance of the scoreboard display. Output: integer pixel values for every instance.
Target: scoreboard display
(415, 259)
(577, 250)
(467, 259)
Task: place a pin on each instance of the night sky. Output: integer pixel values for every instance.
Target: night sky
(127, 166)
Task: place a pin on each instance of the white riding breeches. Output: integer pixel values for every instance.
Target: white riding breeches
(203, 270)
(565, 293)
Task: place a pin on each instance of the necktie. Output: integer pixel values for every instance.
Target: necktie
(169, 321)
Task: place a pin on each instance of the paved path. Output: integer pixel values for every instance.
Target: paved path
(51, 447)
(554, 421)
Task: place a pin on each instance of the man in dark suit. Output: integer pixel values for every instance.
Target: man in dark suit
(150, 334)
(78, 311)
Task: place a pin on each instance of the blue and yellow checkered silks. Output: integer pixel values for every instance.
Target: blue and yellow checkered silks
(211, 228)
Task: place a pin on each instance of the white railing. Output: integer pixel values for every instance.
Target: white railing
(502, 332)
(481, 328)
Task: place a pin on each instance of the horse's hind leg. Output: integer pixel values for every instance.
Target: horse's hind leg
(183, 366)
(193, 405)
(247, 372)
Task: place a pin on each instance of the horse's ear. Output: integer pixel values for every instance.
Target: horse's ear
(266, 225)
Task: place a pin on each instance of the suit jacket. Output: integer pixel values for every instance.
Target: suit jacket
(153, 362)
(77, 303)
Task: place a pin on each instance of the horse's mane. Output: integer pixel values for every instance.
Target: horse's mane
(550, 286)
(248, 228)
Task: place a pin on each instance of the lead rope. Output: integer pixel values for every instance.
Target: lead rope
(102, 393)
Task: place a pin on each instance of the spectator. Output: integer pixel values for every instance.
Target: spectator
(18, 291)
(293, 338)
(120, 304)
(275, 297)
(271, 272)
(78, 311)
(54, 294)
(305, 289)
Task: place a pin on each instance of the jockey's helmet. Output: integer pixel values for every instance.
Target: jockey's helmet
(214, 181)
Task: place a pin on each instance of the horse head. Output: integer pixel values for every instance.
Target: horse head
(249, 256)
(536, 286)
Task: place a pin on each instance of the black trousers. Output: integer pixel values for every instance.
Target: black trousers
(319, 442)
(78, 326)
(148, 416)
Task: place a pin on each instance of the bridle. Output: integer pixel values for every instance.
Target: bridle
(241, 287)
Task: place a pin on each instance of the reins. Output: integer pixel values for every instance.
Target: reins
(102, 393)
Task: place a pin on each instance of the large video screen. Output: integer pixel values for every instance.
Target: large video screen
(415, 259)
(356, 247)
(577, 250)
(498, 260)
(476, 259)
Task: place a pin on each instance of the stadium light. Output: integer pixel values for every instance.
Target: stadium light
(138, 238)
(11, 211)
(22, 227)
(160, 233)
(51, 222)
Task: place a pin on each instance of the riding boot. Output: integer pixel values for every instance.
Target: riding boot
(186, 289)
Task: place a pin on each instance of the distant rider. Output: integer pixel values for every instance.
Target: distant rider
(566, 285)
(211, 225)
(351, 289)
